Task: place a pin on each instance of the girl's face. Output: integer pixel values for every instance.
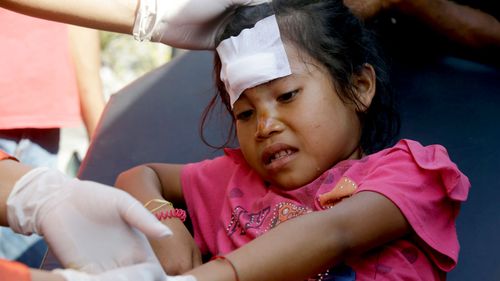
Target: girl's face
(293, 129)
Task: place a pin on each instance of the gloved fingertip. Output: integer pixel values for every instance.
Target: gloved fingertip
(162, 231)
(153, 228)
(139, 217)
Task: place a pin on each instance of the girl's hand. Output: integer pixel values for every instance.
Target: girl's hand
(177, 253)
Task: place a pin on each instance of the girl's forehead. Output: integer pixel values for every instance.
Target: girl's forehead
(255, 56)
(301, 66)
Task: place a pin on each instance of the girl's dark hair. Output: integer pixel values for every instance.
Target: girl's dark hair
(328, 32)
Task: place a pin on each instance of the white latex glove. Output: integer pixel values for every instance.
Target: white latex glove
(139, 272)
(188, 24)
(89, 226)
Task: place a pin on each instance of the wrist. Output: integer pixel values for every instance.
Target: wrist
(230, 264)
(215, 270)
(163, 210)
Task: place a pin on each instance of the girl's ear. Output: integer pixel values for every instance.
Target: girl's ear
(365, 86)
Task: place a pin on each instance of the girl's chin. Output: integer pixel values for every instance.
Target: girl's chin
(286, 184)
(292, 179)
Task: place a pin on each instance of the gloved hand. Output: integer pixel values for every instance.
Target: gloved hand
(89, 226)
(138, 272)
(188, 24)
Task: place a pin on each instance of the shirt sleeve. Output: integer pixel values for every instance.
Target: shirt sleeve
(14, 271)
(426, 186)
(203, 185)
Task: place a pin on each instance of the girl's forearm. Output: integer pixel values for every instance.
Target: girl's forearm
(110, 15)
(294, 250)
(141, 182)
(310, 244)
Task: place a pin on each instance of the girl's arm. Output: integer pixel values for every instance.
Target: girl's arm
(150, 181)
(310, 244)
(177, 253)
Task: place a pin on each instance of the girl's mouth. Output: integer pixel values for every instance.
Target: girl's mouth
(277, 155)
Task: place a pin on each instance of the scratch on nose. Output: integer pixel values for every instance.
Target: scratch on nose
(264, 122)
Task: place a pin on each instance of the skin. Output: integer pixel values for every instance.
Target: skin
(111, 15)
(86, 54)
(275, 113)
(10, 172)
(462, 24)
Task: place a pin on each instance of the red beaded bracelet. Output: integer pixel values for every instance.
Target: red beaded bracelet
(230, 263)
(175, 213)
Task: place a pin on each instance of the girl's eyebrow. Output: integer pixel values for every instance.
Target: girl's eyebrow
(274, 82)
(283, 79)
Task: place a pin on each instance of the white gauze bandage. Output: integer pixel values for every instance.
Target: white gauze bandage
(256, 56)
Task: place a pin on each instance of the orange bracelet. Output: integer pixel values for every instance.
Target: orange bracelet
(230, 263)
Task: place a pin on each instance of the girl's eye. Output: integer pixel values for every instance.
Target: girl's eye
(286, 97)
(244, 115)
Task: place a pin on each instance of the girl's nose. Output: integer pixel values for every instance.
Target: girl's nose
(267, 126)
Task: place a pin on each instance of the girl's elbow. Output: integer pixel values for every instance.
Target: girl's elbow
(124, 179)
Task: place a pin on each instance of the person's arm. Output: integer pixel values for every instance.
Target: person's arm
(10, 172)
(179, 23)
(177, 253)
(462, 24)
(312, 243)
(110, 15)
(86, 53)
(29, 202)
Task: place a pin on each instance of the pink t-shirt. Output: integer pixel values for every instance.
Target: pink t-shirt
(422, 181)
(37, 80)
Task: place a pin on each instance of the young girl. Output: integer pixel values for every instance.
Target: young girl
(309, 193)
